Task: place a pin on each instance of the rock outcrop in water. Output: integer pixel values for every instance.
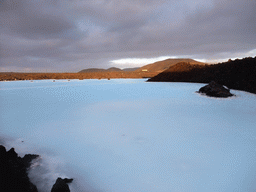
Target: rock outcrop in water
(214, 89)
(13, 171)
(61, 185)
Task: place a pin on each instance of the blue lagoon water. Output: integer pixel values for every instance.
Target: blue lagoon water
(130, 135)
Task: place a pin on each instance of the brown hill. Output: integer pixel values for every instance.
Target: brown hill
(114, 69)
(160, 66)
(92, 70)
(130, 69)
(182, 67)
(238, 74)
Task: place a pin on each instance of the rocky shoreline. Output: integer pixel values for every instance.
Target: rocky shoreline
(236, 74)
(14, 173)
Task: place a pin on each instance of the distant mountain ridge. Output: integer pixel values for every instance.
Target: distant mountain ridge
(90, 70)
(111, 69)
(130, 69)
(160, 66)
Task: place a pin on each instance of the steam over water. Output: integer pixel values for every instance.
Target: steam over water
(128, 135)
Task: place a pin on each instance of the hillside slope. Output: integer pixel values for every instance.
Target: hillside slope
(182, 67)
(114, 69)
(160, 66)
(92, 70)
(238, 74)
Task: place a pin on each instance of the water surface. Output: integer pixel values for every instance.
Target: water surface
(130, 135)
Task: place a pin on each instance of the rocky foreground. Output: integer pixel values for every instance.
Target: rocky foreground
(238, 74)
(14, 176)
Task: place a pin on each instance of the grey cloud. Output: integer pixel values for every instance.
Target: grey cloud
(41, 26)
(34, 19)
(228, 26)
(230, 22)
(92, 33)
(115, 14)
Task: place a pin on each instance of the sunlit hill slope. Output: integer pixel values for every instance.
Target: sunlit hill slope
(160, 66)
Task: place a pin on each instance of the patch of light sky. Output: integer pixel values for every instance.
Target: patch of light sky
(199, 4)
(176, 11)
(87, 25)
(138, 62)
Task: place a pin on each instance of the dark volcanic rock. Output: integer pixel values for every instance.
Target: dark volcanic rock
(14, 176)
(28, 158)
(214, 89)
(13, 172)
(61, 185)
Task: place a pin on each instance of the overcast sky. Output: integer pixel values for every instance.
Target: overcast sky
(71, 35)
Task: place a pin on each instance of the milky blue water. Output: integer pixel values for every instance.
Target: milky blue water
(125, 135)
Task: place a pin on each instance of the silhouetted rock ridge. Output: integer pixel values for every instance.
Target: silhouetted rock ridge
(61, 185)
(237, 74)
(13, 171)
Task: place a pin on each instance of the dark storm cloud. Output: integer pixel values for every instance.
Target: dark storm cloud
(226, 26)
(229, 22)
(34, 19)
(74, 34)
